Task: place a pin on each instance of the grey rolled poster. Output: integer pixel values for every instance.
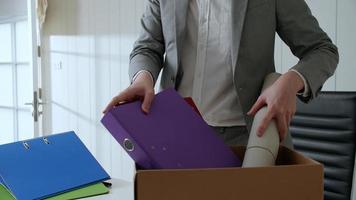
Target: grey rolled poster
(262, 151)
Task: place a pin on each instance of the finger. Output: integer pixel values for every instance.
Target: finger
(264, 123)
(257, 106)
(282, 127)
(147, 101)
(123, 96)
(112, 103)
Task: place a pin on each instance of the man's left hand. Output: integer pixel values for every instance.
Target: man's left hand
(280, 99)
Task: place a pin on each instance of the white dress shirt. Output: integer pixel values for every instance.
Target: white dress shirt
(206, 62)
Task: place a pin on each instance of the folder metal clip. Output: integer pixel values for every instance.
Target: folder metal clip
(26, 145)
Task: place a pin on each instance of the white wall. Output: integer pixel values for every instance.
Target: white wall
(85, 48)
(12, 9)
(337, 19)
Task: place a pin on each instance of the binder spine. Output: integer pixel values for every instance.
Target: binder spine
(131, 146)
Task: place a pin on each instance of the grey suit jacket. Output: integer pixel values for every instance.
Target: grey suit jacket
(254, 25)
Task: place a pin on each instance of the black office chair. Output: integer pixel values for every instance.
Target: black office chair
(325, 130)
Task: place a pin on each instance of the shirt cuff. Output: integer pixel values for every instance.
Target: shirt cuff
(306, 92)
(142, 71)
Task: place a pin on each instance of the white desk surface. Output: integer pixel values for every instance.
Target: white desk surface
(120, 190)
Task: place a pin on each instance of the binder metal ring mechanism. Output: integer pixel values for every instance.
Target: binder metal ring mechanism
(129, 146)
(26, 145)
(45, 140)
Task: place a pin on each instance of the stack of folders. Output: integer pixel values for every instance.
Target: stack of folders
(57, 167)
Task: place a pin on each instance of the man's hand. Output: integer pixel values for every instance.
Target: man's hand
(141, 88)
(280, 99)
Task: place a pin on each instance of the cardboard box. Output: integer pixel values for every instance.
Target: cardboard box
(295, 177)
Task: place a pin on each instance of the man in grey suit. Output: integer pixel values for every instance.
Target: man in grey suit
(219, 52)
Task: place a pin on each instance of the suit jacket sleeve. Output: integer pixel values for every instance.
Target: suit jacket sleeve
(299, 29)
(148, 50)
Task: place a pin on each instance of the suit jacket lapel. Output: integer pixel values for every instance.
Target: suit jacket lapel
(238, 19)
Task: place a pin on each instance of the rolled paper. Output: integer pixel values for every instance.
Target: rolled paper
(263, 151)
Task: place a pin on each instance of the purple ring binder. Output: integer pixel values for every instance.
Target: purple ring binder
(171, 136)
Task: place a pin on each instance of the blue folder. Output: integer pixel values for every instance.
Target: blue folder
(48, 166)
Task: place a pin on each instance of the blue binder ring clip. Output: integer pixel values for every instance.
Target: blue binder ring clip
(26, 145)
(45, 140)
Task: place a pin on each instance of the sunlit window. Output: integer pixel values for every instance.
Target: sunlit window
(15, 82)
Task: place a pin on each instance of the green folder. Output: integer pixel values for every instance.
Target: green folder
(88, 191)
(92, 190)
(5, 194)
